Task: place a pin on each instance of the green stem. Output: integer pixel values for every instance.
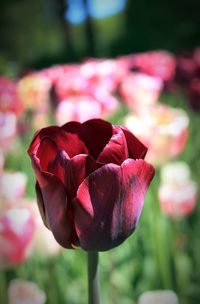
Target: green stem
(93, 278)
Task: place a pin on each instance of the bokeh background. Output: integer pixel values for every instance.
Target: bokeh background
(135, 63)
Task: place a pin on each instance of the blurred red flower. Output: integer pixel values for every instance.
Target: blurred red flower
(91, 182)
(156, 63)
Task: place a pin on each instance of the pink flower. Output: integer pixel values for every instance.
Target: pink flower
(78, 108)
(164, 130)
(83, 107)
(17, 229)
(9, 99)
(109, 104)
(8, 129)
(156, 63)
(33, 90)
(140, 90)
(13, 186)
(177, 192)
(25, 292)
(70, 83)
(2, 161)
(106, 73)
(44, 243)
(56, 72)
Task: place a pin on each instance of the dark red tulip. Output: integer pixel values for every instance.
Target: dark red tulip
(91, 182)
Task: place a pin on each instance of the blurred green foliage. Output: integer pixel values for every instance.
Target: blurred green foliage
(35, 34)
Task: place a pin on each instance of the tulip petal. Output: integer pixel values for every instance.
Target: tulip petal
(109, 203)
(46, 151)
(95, 133)
(55, 208)
(76, 170)
(57, 165)
(45, 132)
(116, 151)
(72, 171)
(40, 203)
(70, 142)
(136, 148)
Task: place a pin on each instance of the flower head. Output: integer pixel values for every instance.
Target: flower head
(91, 182)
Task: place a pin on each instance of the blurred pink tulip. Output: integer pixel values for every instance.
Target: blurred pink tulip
(17, 229)
(104, 72)
(156, 63)
(164, 130)
(2, 161)
(158, 297)
(84, 107)
(44, 243)
(109, 103)
(33, 90)
(139, 90)
(25, 292)
(70, 83)
(13, 186)
(8, 129)
(56, 72)
(9, 99)
(177, 192)
(78, 108)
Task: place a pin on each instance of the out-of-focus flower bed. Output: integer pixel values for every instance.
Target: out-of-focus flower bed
(157, 96)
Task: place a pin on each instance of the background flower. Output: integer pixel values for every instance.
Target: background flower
(17, 229)
(25, 292)
(164, 130)
(177, 192)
